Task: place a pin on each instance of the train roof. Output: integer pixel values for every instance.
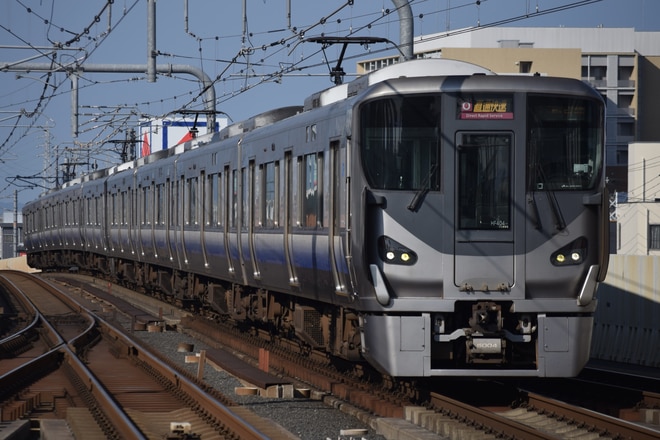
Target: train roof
(260, 120)
(418, 68)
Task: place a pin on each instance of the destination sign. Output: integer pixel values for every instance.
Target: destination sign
(486, 108)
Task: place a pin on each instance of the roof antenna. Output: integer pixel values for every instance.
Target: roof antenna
(337, 73)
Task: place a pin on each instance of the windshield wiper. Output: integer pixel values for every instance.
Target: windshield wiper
(421, 192)
(552, 200)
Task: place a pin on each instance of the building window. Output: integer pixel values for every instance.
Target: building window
(654, 237)
(626, 129)
(525, 67)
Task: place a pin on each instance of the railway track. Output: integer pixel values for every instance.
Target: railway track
(99, 383)
(533, 416)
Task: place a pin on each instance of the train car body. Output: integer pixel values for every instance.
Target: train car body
(431, 218)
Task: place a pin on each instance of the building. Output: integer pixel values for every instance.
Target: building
(161, 134)
(11, 234)
(622, 64)
(638, 220)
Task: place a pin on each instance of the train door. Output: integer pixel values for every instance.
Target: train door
(288, 219)
(181, 221)
(175, 208)
(249, 212)
(229, 199)
(167, 206)
(237, 204)
(119, 236)
(104, 217)
(336, 216)
(141, 214)
(132, 225)
(80, 210)
(202, 203)
(484, 245)
(152, 217)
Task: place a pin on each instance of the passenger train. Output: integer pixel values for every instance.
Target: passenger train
(431, 218)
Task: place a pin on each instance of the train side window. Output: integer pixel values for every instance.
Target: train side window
(211, 200)
(270, 201)
(117, 209)
(148, 205)
(159, 204)
(218, 200)
(114, 208)
(202, 198)
(187, 202)
(138, 202)
(124, 208)
(174, 196)
(288, 183)
(233, 205)
(133, 204)
(191, 193)
(245, 198)
(257, 194)
(139, 194)
(226, 201)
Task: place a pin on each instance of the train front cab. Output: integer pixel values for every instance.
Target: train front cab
(483, 213)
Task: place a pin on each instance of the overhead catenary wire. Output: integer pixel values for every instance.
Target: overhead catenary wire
(266, 61)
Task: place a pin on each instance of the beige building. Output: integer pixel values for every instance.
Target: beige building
(638, 220)
(622, 64)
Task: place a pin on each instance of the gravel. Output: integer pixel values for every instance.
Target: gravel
(307, 418)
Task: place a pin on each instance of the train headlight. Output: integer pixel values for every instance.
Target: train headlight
(393, 252)
(573, 253)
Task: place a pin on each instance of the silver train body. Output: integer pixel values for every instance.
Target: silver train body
(431, 218)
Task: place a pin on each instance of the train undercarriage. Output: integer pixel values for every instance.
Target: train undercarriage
(313, 324)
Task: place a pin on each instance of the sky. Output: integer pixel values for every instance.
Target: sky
(257, 61)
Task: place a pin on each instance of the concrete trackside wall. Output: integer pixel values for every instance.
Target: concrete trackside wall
(627, 320)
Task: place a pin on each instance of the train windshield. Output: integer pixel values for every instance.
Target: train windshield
(564, 143)
(400, 142)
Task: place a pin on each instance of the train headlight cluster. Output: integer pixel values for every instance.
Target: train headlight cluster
(571, 254)
(393, 252)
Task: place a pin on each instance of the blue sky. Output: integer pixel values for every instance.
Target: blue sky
(242, 56)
